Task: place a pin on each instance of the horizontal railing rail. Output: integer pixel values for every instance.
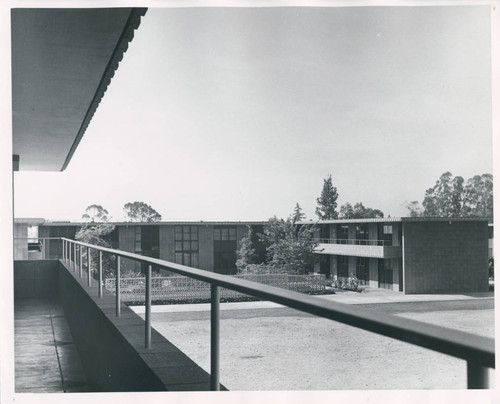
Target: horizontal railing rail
(355, 241)
(477, 351)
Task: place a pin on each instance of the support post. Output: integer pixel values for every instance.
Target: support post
(80, 253)
(88, 267)
(100, 274)
(148, 308)
(117, 286)
(477, 376)
(214, 337)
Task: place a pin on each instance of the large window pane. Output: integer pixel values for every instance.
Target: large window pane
(194, 260)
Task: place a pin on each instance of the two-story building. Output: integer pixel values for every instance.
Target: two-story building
(410, 255)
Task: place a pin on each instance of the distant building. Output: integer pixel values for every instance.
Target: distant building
(411, 255)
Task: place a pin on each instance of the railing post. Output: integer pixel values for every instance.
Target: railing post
(63, 250)
(214, 337)
(100, 274)
(80, 252)
(74, 256)
(477, 376)
(117, 286)
(148, 307)
(88, 267)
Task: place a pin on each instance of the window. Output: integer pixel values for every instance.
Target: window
(224, 233)
(344, 229)
(186, 245)
(225, 247)
(387, 229)
(361, 261)
(361, 229)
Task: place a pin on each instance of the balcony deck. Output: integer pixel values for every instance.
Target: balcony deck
(46, 359)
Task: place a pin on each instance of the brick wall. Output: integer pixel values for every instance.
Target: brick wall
(445, 257)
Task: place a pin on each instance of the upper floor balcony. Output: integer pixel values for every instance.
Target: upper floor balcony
(359, 248)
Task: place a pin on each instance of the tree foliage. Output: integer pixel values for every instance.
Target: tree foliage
(141, 212)
(327, 201)
(453, 197)
(95, 213)
(298, 215)
(414, 209)
(358, 211)
(98, 234)
(245, 253)
(289, 246)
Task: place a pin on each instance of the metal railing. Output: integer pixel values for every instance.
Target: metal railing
(477, 351)
(353, 241)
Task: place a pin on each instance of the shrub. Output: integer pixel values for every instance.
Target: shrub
(352, 283)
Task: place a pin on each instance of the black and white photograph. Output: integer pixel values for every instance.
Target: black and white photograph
(247, 201)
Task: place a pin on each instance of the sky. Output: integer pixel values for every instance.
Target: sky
(240, 113)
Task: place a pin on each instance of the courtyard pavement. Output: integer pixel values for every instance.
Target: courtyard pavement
(369, 296)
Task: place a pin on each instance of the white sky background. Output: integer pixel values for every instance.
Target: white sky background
(237, 114)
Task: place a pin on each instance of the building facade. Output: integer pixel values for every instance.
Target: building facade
(410, 255)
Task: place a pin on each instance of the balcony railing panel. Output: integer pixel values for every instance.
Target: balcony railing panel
(478, 351)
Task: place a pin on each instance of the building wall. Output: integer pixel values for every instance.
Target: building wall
(333, 266)
(445, 257)
(206, 247)
(167, 243)
(20, 246)
(126, 237)
(373, 272)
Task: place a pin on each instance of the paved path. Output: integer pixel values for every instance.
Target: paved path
(370, 296)
(46, 360)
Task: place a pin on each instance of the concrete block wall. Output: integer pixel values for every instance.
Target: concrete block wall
(445, 257)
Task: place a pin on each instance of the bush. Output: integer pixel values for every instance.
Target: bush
(352, 283)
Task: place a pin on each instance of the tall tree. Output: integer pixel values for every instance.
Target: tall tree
(327, 201)
(245, 253)
(95, 213)
(98, 234)
(453, 197)
(298, 215)
(359, 211)
(478, 196)
(289, 247)
(414, 209)
(141, 212)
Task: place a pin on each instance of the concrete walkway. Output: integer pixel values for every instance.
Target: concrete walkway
(369, 296)
(46, 359)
